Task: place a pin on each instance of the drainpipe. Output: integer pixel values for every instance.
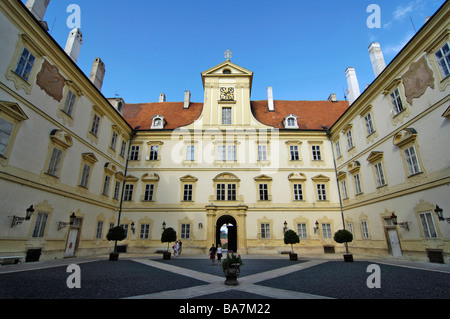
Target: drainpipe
(337, 181)
(133, 134)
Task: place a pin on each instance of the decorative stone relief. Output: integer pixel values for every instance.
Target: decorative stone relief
(51, 81)
(417, 79)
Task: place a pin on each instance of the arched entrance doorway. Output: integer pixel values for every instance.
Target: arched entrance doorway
(230, 229)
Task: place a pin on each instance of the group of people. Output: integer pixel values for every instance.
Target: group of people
(177, 248)
(212, 254)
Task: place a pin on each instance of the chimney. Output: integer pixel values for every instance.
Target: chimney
(38, 8)
(187, 99)
(162, 97)
(353, 86)
(73, 45)
(332, 97)
(97, 73)
(270, 99)
(376, 56)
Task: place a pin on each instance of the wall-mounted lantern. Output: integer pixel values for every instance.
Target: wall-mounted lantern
(16, 220)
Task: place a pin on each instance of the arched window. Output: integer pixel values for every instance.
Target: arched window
(291, 121)
(157, 122)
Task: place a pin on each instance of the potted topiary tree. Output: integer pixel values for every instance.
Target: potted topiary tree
(169, 235)
(291, 237)
(344, 236)
(117, 234)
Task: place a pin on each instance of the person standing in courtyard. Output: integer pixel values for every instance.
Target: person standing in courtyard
(212, 254)
(219, 253)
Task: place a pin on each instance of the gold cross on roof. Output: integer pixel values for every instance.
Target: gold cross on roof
(228, 54)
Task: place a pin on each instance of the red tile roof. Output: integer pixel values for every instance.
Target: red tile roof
(312, 115)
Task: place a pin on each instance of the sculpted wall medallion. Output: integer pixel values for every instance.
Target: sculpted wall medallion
(417, 79)
(51, 81)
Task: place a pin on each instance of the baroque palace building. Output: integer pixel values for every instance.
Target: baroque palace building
(79, 163)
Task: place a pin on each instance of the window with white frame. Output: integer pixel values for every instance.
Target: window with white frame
(157, 122)
(98, 233)
(128, 194)
(106, 183)
(350, 227)
(185, 231)
(226, 115)
(149, 192)
(231, 191)
(85, 175)
(265, 231)
(55, 161)
(344, 189)
(39, 225)
(412, 161)
(298, 192)
(25, 64)
(145, 231)
(443, 59)
(125, 228)
(154, 151)
(350, 144)
(428, 226)
(69, 103)
(226, 152)
(291, 121)
(321, 192)
(113, 140)
(365, 229)
(326, 230)
(122, 148)
(190, 152)
(379, 174)
(134, 152)
(369, 124)
(116, 190)
(301, 231)
(226, 191)
(95, 124)
(293, 150)
(338, 149)
(262, 152)
(316, 153)
(187, 192)
(357, 180)
(397, 104)
(6, 129)
(263, 192)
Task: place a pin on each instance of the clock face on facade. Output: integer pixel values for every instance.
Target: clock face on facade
(226, 94)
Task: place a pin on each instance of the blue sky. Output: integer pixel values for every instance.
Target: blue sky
(300, 48)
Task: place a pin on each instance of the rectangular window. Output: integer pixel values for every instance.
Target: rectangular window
(154, 150)
(396, 100)
(344, 189)
(25, 64)
(187, 192)
(231, 192)
(220, 192)
(6, 129)
(149, 191)
(293, 149)
(113, 141)
(145, 231)
(128, 195)
(298, 192)
(321, 192)
(221, 151)
(134, 153)
(85, 175)
(369, 124)
(357, 180)
(365, 229)
(350, 228)
(443, 60)
(326, 231)
(301, 231)
(412, 161)
(429, 229)
(69, 103)
(98, 233)
(338, 149)
(95, 124)
(263, 192)
(265, 231)
(55, 160)
(381, 181)
(350, 144)
(316, 153)
(226, 115)
(106, 185)
(116, 190)
(262, 152)
(231, 154)
(185, 231)
(190, 153)
(125, 227)
(122, 148)
(39, 226)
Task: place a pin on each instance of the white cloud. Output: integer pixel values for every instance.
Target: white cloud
(393, 49)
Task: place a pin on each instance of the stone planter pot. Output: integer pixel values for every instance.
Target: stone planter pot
(348, 257)
(166, 255)
(231, 274)
(293, 257)
(113, 256)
